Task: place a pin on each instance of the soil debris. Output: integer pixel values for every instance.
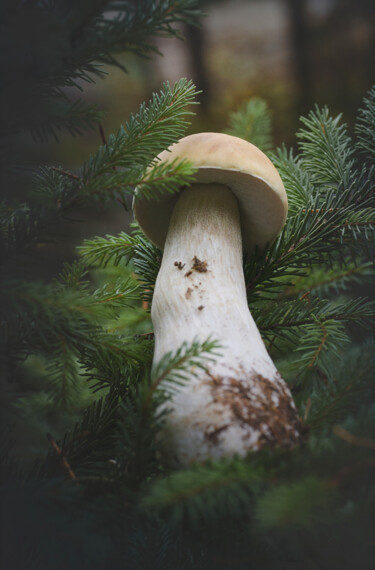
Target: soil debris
(213, 435)
(198, 265)
(200, 307)
(263, 405)
(188, 293)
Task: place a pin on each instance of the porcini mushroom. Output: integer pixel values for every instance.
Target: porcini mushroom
(236, 204)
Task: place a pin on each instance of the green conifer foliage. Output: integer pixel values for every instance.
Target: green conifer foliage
(56, 334)
(77, 350)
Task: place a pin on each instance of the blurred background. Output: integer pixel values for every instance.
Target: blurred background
(292, 53)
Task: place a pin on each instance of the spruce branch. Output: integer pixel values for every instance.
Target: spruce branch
(252, 122)
(320, 343)
(175, 368)
(58, 305)
(160, 180)
(322, 281)
(121, 295)
(114, 249)
(58, 192)
(67, 323)
(287, 317)
(102, 250)
(112, 358)
(300, 504)
(68, 326)
(76, 117)
(297, 181)
(142, 413)
(365, 129)
(120, 26)
(156, 126)
(73, 276)
(147, 260)
(340, 225)
(327, 150)
(55, 193)
(331, 203)
(64, 312)
(202, 493)
(349, 385)
(165, 178)
(139, 425)
(63, 373)
(88, 447)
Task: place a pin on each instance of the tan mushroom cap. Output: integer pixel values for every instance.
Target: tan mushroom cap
(238, 164)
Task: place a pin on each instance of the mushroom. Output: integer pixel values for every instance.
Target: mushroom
(237, 203)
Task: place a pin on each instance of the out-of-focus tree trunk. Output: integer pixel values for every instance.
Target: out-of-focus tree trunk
(301, 46)
(195, 38)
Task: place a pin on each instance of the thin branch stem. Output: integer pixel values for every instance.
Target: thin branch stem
(65, 173)
(63, 459)
(353, 439)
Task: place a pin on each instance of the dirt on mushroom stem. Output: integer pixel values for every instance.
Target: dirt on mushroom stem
(240, 403)
(276, 425)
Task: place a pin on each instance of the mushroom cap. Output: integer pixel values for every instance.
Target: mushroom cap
(223, 159)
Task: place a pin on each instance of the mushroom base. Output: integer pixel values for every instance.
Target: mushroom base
(220, 417)
(242, 403)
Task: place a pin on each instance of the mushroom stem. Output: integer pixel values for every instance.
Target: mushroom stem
(240, 403)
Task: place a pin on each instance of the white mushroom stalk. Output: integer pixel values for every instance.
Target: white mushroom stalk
(239, 403)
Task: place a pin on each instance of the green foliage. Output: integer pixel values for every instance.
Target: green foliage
(80, 443)
(155, 127)
(313, 329)
(345, 389)
(126, 421)
(252, 122)
(102, 250)
(323, 247)
(334, 280)
(295, 505)
(197, 495)
(146, 405)
(114, 249)
(171, 369)
(327, 151)
(365, 129)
